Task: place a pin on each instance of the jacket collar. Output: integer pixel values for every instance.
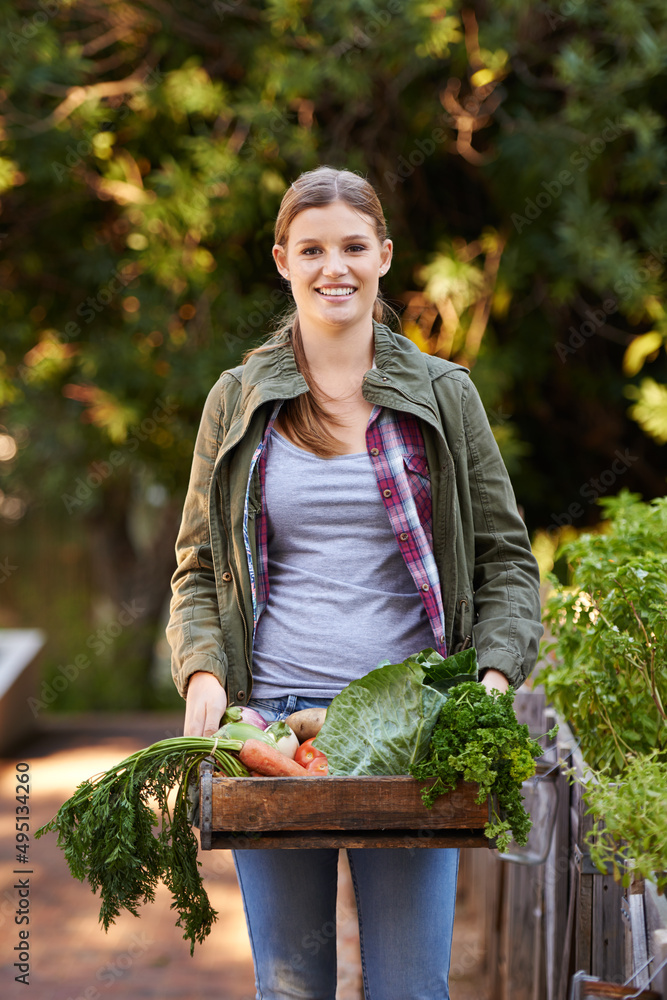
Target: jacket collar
(402, 378)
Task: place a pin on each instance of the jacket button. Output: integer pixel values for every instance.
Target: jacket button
(403, 536)
(240, 695)
(425, 586)
(386, 493)
(375, 451)
(226, 577)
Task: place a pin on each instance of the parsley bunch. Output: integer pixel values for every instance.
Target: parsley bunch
(106, 831)
(477, 738)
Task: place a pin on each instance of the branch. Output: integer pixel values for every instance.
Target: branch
(651, 681)
(79, 95)
(107, 38)
(122, 192)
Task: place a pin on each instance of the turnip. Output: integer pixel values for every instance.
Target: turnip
(286, 739)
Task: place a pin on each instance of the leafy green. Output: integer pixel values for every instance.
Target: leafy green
(632, 836)
(382, 722)
(443, 674)
(105, 830)
(477, 738)
(607, 678)
(610, 630)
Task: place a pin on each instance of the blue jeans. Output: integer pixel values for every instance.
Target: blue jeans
(405, 901)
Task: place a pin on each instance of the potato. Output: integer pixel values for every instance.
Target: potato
(306, 723)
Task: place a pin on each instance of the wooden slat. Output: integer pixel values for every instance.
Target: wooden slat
(584, 912)
(529, 706)
(583, 923)
(607, 938)
(556, 892)
(377, 803)
(522, 950)
(361, 838)
(601, 991)
(639, 942)
(498, 948)
(659, 946)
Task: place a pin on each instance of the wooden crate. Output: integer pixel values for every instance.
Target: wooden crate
(335, 812)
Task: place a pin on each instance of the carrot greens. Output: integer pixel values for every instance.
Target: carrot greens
(106, 831)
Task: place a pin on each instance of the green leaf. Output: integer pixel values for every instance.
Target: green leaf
(443, 674)
(381, 723)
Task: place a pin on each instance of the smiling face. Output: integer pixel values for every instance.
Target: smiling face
(333, 259)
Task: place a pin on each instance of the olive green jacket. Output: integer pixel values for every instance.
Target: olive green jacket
(489, 577)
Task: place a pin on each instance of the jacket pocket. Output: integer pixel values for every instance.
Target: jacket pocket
(419, 479)
(463, 624)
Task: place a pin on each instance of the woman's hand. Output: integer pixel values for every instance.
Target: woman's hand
(205, 704)
(494, 680)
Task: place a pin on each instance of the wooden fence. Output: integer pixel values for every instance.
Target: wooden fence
(551, 928)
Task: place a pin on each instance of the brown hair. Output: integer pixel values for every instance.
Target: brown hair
(304, 417)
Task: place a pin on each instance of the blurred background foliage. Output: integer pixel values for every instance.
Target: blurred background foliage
(519, 150)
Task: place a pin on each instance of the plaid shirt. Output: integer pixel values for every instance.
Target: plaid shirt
(396, 450)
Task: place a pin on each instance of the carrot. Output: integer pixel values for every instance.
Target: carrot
(261, 757)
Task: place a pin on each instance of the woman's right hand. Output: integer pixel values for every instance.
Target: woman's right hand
(205, 704)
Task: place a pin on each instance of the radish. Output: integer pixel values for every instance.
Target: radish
(237, 714)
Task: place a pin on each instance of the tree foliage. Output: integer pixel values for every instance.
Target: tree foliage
(518, 148)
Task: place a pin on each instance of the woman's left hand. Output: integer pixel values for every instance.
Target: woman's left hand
(494, 680)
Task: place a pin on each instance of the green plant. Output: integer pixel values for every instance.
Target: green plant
(633, 837)
(608, 680)
(477, 738)
(609, 624)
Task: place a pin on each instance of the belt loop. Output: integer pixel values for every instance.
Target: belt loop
(290, 706)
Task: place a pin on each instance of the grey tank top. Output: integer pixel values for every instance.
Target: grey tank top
(341, 598)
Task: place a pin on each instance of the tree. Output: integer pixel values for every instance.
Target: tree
(517, 149)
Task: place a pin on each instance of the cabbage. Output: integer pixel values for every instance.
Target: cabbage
(382, 723)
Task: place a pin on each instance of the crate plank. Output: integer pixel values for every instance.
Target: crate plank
(361, 803)
(221, 840)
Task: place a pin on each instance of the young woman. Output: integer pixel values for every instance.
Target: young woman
(347, 504)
